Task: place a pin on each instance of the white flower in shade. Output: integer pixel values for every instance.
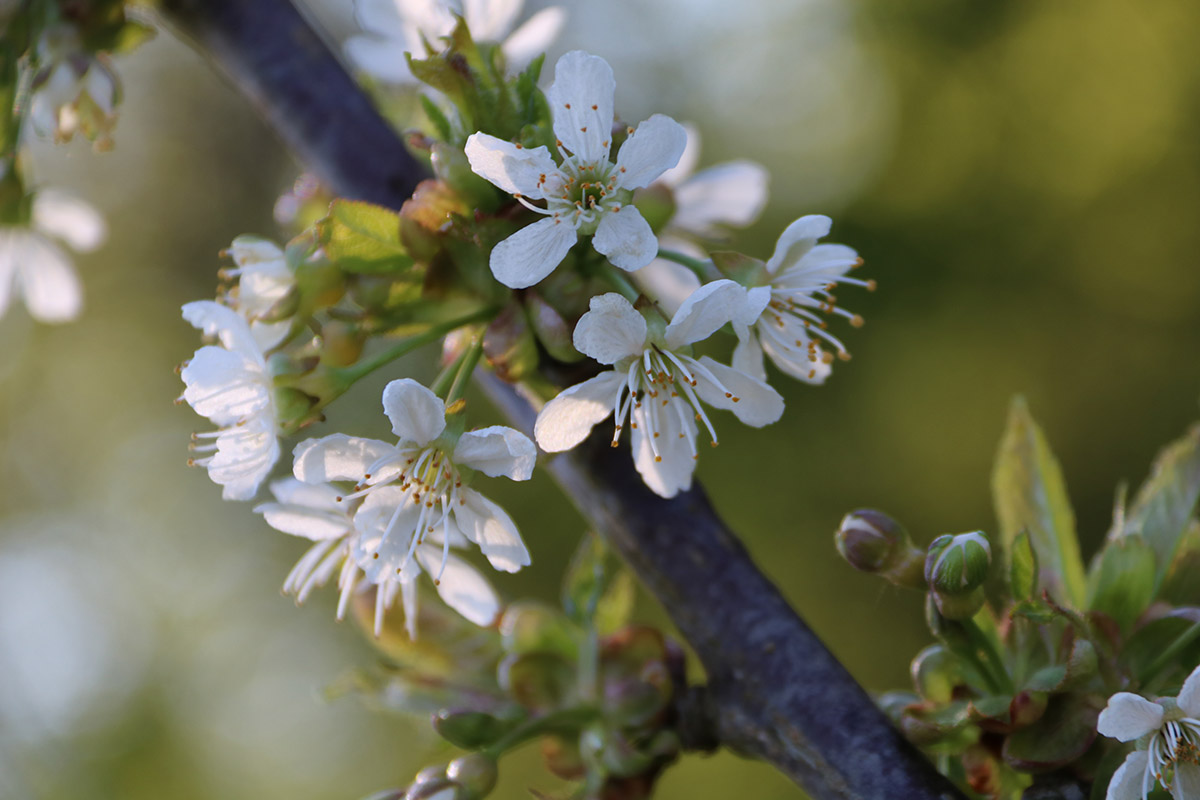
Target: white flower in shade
(396, 27)
(798, 288)
(415, 491)
(73, 89)
(586, 194)
(34, 267)
(1167, 733)
(727, 195)
(264, 277)
(317, 512)
(657, 384)
(230, 384)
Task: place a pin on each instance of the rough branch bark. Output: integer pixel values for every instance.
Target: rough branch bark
(776, 692)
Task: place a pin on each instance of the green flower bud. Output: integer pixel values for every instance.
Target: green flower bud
(958, 564)
(443, 789)
(468, 729)
(475, 772)
(871, 541)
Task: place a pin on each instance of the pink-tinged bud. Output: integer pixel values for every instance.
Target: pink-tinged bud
(871, 541)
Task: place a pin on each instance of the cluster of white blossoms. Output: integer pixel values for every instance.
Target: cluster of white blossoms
(1167, 736)
(585, 192)
(229, 382)
(398, 27)
(408, 505)
(657, 385)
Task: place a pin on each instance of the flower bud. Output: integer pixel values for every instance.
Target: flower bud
(955, 568)
(871, 541)
(474, 772)
(468, 729)
(442, 789)
(958, 563)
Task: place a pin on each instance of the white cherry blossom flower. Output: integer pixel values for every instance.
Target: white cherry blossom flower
(396, 27)
(415, 494)
(230, 384)
(727, 195)
(797, 288)
(72, 90)
(657, 384)
(34, 267)
(317, 512)
(1168, 742)
(263, 276)
(586, 193)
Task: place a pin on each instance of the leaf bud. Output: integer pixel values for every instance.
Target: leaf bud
(871, 541)
(474, 772)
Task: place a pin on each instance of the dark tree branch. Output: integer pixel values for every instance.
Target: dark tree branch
(775, 691)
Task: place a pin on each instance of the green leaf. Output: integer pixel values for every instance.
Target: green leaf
(1121, 581)
(1023, 567)
(1163, 507)
(616, 604)
(364, 238)
(1063, 734)
(1180, 587)
(1030, 494)
(437, 117)
(470, 730)
(1145, 646)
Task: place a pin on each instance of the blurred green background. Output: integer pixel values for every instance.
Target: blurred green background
(1023, 179)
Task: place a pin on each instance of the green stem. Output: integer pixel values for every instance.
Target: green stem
(1167, 656)
(363, 368)
(619, 283)
(466, 367)
(442, 382)
(566, 721)
(991, 659)
(704, 269)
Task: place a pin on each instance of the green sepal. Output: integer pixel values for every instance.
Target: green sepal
(470, 730)
(360, 237)
(1030, 495)
(741, 268)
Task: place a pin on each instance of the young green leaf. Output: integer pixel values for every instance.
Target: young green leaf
(1023, 568)
(1163, 507)
(1030, 494)
(1121, 581)
(361, 237)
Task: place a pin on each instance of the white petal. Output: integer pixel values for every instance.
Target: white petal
(670, 471)
(486, 524)
(250, 250)
(786, 340)
(796, 240)
(705, 312)
(1189, 696)
(224, 386)
(497, 451)
(337, 457)
(386, 523)
(244, 457)
(48, 282)
(822, 264)
(489, 20)
(757, 300)
(461, 586)
(581, 101)
(532, 253)
(757, 403)
(384, 17)
(1129, 716)
(568, 419)
(214, 319)
(1186, 783)
(1126, 782)
(654, 147)
(382, 59)
(667, 282)
(305, 522)
(417, 414)
(534, 36)
(626, 238)
(687, 161)
(748, 356)
(516, 170)
(610, 330)
(67, 217)
(733, 194)
(318, 496)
